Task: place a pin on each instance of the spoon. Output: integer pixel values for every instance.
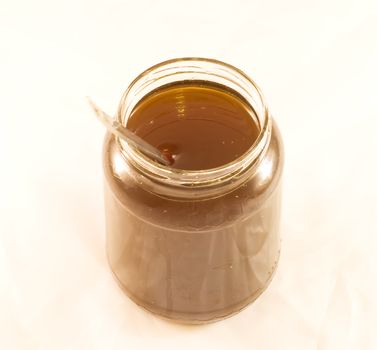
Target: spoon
(119, 130)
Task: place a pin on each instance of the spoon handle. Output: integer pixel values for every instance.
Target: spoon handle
(119, 130)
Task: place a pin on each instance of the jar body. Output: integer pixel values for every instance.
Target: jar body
(193, 260)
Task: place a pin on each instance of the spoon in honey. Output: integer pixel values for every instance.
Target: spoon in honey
(119, 130)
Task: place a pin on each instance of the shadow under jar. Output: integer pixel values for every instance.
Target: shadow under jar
(193, 245)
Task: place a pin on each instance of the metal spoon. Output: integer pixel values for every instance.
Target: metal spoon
(119, 130)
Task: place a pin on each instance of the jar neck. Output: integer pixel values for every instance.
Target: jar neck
(200, 183)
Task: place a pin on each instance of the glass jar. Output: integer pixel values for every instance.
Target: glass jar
(194, 246)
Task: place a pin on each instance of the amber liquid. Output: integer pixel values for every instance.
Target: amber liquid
(197, 125)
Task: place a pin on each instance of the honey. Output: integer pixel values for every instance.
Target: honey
(197, 125)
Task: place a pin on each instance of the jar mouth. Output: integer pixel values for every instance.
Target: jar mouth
(186, 69)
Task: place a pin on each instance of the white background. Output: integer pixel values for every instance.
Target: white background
(316, 63)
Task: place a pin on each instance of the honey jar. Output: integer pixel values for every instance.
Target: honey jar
(197, 240)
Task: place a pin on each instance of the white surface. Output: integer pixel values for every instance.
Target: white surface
(316, 63)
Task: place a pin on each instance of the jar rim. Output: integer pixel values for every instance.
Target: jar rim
(203, 177)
